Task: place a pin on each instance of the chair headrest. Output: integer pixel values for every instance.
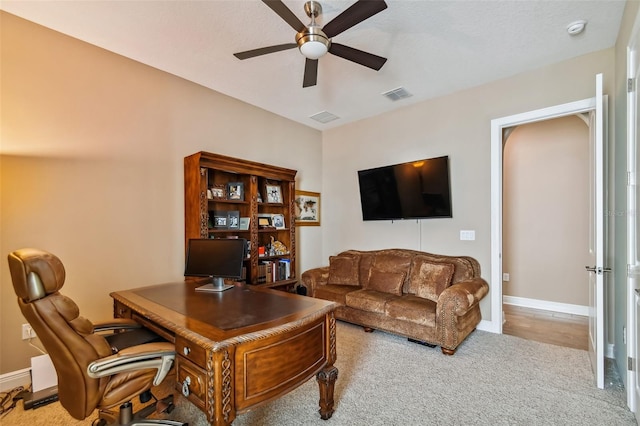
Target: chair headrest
(35, 273)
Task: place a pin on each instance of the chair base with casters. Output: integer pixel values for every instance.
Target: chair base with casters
(126, 417)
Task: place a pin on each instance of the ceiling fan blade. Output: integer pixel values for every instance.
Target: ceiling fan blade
(264, 50)
(358, 56)
(356, 13)
(285, 13)
(310, 73)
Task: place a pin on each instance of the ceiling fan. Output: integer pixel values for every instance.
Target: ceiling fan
(315, 42)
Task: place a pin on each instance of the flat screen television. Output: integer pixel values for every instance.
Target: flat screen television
(218, 258)
(413, 190)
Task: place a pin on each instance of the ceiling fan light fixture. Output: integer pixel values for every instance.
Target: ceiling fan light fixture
(313, 43)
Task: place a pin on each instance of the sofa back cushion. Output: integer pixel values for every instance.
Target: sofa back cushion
(343, 270)
(428, 278)
(386, 281)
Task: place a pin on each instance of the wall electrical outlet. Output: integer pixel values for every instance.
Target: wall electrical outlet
(505, 276)
(28, 332)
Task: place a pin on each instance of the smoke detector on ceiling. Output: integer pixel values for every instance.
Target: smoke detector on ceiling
(576, 27)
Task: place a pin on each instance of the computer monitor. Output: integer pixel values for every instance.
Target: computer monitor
(218, 258)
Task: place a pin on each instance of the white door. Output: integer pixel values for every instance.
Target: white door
(633, 298)
(596, 267)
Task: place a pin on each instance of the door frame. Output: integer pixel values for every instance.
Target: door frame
(498, 126)
(633, 271)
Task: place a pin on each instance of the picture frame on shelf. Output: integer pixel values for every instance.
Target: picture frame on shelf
(307, 208)
(233, 219)
(218, 191)
(277, 220)
(273, 193)
(220, 219)
(244, 223)
(235, 191)
(264, 222)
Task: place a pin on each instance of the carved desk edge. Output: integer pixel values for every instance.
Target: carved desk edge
(215, 346)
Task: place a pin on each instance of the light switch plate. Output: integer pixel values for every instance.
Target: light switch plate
(466, 235)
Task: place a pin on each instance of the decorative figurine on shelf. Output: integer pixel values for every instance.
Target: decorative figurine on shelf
(278, 248)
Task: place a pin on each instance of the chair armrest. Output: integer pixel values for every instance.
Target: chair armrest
(116, 324)
(463, 295)
(313, 278)
(149, 355)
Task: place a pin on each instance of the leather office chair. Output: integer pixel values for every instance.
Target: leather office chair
(90, 375)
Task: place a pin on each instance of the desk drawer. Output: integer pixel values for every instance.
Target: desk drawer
(191, 381)
(191, 351)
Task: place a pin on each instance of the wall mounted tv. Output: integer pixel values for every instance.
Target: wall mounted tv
(414, 190)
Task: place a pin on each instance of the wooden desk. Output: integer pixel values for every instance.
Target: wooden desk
(239, 348)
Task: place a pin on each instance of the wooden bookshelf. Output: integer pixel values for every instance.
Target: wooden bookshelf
(222, 193)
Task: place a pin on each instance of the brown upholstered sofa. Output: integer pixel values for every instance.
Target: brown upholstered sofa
(425, 297)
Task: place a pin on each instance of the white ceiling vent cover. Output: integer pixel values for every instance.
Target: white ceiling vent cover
(397, 94)
(324, 117)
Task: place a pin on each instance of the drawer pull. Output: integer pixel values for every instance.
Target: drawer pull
(185, 386)
(186, 350)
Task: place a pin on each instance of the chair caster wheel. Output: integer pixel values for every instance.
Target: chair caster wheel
(99, 422)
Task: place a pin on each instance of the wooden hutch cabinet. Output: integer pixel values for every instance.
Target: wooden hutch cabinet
(227, 197)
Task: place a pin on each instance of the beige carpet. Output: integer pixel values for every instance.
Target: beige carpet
(385, 380)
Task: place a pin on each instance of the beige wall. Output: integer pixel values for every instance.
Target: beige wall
(458, 126)
(545, 228)
(91, 166)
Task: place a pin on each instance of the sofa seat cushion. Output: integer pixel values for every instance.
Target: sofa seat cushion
(428, 278)
(413, 309)
(334, 292)
(369, 300)
(343, 270)
(386, 281)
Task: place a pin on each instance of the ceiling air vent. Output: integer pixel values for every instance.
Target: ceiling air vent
(324, 117)
(397, 94)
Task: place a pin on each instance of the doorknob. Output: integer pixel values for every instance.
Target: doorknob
(597, 269)
(637, 290)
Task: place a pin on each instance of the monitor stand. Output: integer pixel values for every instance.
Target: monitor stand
(216, 286)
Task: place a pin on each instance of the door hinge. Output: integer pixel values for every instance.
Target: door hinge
(631, 178)
(631, 365)
(630, 85)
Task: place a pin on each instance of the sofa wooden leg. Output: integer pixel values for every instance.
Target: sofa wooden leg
(448, 351)
(368, 329)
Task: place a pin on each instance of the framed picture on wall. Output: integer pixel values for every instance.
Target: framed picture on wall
(307, 208)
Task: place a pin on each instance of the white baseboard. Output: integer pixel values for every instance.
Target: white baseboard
(14, 379)
(565, 308)
(485, 325)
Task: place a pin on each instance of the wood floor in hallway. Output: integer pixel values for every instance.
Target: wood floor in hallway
(546, 326)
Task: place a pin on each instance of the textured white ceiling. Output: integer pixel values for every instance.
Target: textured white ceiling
(433, 47)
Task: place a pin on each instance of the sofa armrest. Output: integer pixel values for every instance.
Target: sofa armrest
(462, 295)
(313, 278)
